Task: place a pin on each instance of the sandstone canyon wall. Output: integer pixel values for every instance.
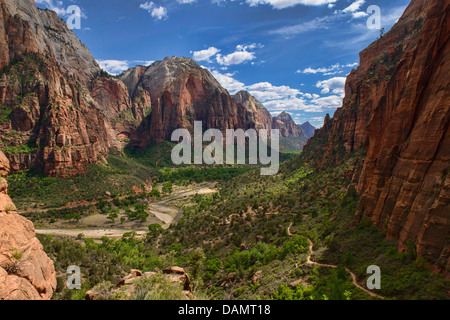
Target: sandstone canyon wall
(58, 111)
(397, 107)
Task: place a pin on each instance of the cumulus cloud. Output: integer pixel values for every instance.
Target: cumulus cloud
(281, 4)
(335, 85)
(241, 55)
(355, 9)
(284, 98)
(204, 55)
(159, 13)
(58, 6)
(186, 1)
(116, 67)
(228, 82)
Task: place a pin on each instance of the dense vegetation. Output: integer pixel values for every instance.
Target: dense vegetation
(263, 224)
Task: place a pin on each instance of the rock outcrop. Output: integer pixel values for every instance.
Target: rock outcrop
(60, 112)
(136, 281)
(26, 272)
(397, 108)
(287, 126)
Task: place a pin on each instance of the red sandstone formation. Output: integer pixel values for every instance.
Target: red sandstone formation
(26, 273)
(397, 107)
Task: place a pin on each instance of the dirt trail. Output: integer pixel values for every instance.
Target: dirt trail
(354, 278)
(310, 262)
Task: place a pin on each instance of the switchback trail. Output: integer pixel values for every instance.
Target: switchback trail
(354, 278)
(310, 262)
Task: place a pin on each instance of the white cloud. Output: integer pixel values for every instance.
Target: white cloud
(392, 16)
(354, 6)
(144, 62)
(354, 10)
(316, 24)
(317, 122)
(285, 98)
(186, 1)
(241, 55)
(116, 67)
(228, 82)
(58, 7)
(265, 91)
(204, 55)
(281, 4)
(335, 85)
(334, 69)
(159, 13)
(360, 14)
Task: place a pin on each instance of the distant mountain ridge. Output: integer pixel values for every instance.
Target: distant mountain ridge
(308, 129)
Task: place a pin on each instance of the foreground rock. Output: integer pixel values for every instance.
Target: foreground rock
(26, 273)
(149, 285)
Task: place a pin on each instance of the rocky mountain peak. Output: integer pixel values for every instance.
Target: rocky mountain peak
(308, 129)
(161, 74)
(284, 116)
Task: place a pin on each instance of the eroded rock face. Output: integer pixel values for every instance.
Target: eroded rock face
(26, 272)
(397, 107)
(404, 184)
(182, 92)
(62, 113)
(287, 126)
(256, 114)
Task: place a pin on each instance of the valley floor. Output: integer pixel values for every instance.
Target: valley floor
(164, 212)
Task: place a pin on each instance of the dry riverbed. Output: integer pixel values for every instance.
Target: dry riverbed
(164, 212)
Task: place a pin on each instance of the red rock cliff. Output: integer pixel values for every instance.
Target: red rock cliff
(397, 107)
(183, 92)
(58, 111)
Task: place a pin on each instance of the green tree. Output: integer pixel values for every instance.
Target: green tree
(155, 230)
(196, 262)
(167, 188)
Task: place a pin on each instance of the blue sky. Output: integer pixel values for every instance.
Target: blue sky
(293, 55)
